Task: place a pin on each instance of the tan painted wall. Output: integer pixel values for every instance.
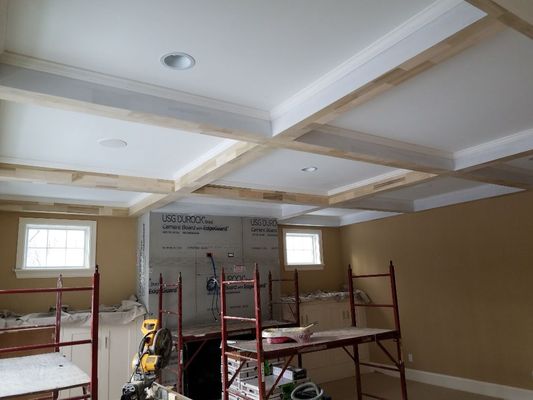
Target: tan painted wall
(465, 284)
(328, 279)
(116, 245)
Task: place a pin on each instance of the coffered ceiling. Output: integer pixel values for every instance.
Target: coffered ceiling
(399, 107)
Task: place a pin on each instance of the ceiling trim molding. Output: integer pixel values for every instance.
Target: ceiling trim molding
(365, 216)
(269, 196)
(59, 207)
(462, 196)
(37, 64)
(503, 149)
(502, 174)
(505, 16)
(384, 43)
(25, 173)
(370, 181)
(312, 220)
(454, 30)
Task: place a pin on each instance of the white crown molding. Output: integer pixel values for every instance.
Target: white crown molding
(429, 14)
(22, 61)
(434, 24)
(464, 384)
(494, 150)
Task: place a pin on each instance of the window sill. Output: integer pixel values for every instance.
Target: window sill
(306, 267)
(54, 273)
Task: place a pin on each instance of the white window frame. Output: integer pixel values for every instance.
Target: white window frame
(301, 267)
(48, 272)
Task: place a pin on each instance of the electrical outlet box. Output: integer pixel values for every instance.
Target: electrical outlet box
(410, 357)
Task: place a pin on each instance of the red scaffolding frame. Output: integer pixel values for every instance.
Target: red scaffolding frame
(257, 351)
(205, 333)
(90, 389)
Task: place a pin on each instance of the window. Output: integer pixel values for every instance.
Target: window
(49, 247)
(303, 248)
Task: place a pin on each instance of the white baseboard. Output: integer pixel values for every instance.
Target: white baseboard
(465, 385)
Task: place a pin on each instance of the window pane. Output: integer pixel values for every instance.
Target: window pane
(36, 258)
(57, 238)
(75, 258)
(75, 239)
(302, 248)
(37, 237)
(55, 258)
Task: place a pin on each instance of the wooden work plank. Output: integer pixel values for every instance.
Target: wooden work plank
(268, 196)
(28, 173)
(319, 341)
(39, 373)
(62, 208)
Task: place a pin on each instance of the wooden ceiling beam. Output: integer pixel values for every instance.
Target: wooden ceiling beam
(440, 52)
(62, 208)
(501, 174)
(225, 162)
(268, 196)
(27, 173)
(349, 198)
(504, 15)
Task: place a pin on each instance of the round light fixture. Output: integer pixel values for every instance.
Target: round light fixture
(309, 169)
(179, 61)
(112, 143)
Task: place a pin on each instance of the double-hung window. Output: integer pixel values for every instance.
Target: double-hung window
(49, 247)
(303, 249)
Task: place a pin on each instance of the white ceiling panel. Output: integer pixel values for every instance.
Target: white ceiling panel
(480, 95)
(62, 139)
(251, 52)
(69, 193)
(282, 170)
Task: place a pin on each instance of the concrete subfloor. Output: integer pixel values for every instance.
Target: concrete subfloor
(389, 387)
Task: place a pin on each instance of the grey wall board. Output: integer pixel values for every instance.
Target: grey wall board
(180, 243)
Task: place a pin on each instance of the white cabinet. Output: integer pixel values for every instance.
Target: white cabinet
(329, 365)
(116, 346)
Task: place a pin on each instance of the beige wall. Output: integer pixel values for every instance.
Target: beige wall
(116, 244)
(328, 279)
(465, 285)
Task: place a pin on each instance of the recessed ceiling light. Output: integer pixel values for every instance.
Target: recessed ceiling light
(309, 169)
(179, 61)
(113, 143)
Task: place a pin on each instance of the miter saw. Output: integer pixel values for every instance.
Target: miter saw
(154, 354)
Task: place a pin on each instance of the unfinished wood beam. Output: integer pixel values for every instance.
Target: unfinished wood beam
(501, 174)
(268, 196)
(62, 208)
(404, 180)
(440, 52)
(227, 161)
(505, 15)
(27, 173)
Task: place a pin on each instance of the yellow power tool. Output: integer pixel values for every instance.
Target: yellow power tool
(154, 353)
